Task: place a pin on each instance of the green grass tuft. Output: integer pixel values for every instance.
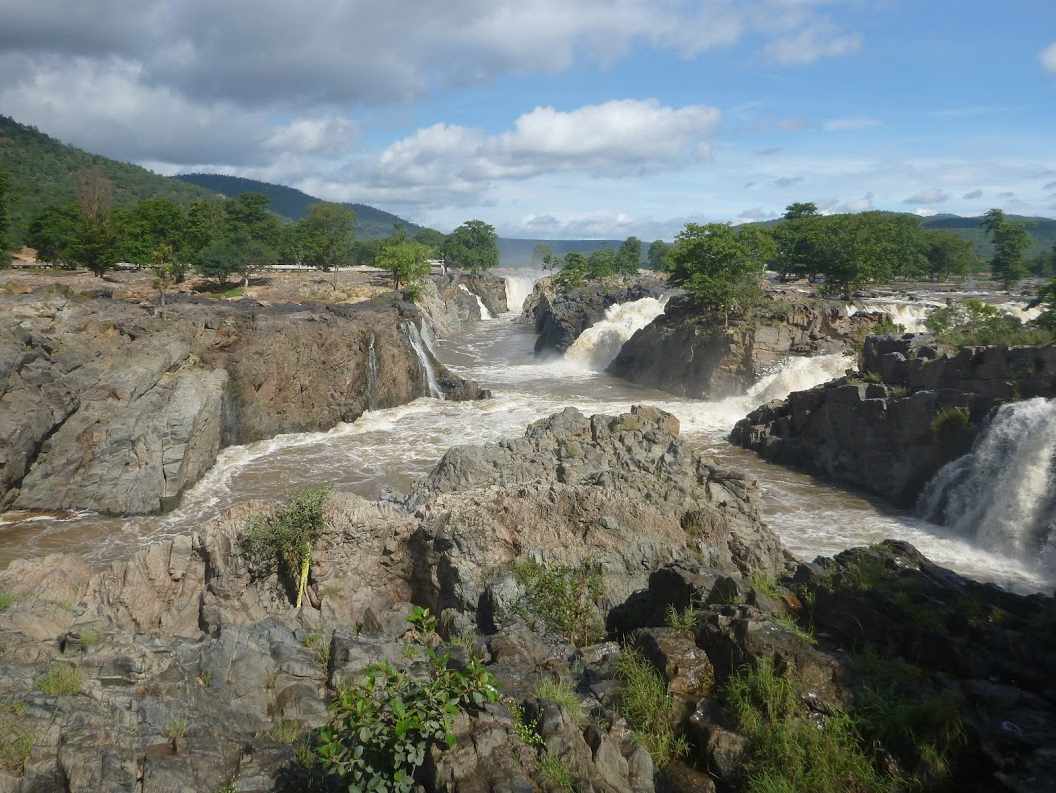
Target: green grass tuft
(61, 680)
(646, 703)
(561, 694)
(6, 599)
(555, 774)
(564, 598)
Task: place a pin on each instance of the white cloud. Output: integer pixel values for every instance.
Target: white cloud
(850, 124)
(973, 195)
(811, 43)
(925, 212)
(1048, 57)
(314, 135)
(863, 204)
(935, 196)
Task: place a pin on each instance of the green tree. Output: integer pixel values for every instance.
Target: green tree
(801, 209)
(52, 233)
(573, 272)
(407, 262)
(5, 242)
(629, 256)
(1011, 242)
(794, 241)
(205, 225)
(657, 256)
(166, 271)
(949, 255)
(329, 234)
(721, 266)
(220, 259)
(144, 227)
(602, 263)
(871, 247)
(543, 256)
(95, 242)
(473, 246)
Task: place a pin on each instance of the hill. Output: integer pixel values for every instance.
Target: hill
(43, 172)
(371, 222)
(1042, 231)
(516, 252)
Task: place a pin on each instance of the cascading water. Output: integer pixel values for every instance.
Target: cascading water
(414, 338)
(484, 313)
(911, 316)
(518, 289)
(1003, 494)
(599, 344)
(372, 373)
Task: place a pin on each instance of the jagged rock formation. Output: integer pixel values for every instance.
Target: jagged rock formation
(184, 632)
(195, 673)
(881, 430)
(112, 406)
(560, 317)
(692, 353)
(450, 300)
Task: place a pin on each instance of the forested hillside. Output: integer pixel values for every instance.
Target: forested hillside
(371, 222)
(1042, 231)
(42, 173)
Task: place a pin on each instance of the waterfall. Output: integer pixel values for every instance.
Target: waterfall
(1003, 493)
(599, 344)
(414, 337)
(484, 313)
(518, 289)
(910, 316)
(372, 373)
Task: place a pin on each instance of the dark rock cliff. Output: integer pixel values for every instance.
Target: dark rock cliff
(881, 429)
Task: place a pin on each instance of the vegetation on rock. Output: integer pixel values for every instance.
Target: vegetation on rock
(974, 323)
(564, 598)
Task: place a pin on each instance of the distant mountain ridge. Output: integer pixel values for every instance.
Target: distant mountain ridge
(371, 222)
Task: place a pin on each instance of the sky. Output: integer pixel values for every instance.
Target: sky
(560, 118)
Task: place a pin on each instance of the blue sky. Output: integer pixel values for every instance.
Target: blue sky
(551, 119)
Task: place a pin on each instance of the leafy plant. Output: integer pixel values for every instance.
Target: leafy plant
(282, 541)
(527, 731)
(382, 726)
(563, 597)
(61, 680)
(684, 620)
(973, 323)
(646, 703)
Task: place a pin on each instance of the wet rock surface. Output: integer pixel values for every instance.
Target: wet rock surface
(118, 407)
(694, 353)
(196, 673)
(561, 316)
(882, 429)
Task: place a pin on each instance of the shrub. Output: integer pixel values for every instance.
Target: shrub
(646, 703)
(561, 694)
(282, 541)
(61, 680)
(684, 621)
(16, 742)
(951, 420)
(6, 600)
(563, 597)
(382, 726)
(765, 584)
(974, 323)
(789, 751)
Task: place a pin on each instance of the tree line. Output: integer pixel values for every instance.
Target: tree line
(223, 239)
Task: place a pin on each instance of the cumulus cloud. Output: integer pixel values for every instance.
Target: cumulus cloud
(850, 124)
(935, 196)
(1048, 57)
(863, 204)
(925, 212)
(973, 195)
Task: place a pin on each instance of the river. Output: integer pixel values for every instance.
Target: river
(384, 450)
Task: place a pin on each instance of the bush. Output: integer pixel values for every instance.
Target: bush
(282, 542)
(382, 727)
(974, 323)
(684, 621)
(646, 703)
(788, 750)
(951, 420)
(60, 680)
(563, 597)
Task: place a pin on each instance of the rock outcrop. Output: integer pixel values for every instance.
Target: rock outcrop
(453, 299)
(693, 353)
(913, 408)
(111, 406)
(561, 316)
(186, 633)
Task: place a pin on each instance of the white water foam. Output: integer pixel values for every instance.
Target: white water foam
(414, 338)
(484, 313)
(599, 344)
(1003, 494)
(911, 316)
(519, 287)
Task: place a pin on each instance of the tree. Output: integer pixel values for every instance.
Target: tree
(870, 247)
(95, 243)
(328, 236)
(543, 255)
(573, 272)
(473, 246)
(144, 227)
(601, 264)
(204, 225)
(52, 233)
(1011, 242)
(795, 256)
(166, 271)
(220, 259)
(5, 244)
(629, 256)
(801, 209)
(657, 255)
(721, 266)
(949, 254)
(407, 262)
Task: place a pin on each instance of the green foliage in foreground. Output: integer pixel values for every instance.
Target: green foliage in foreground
(721, 266)
(282, 541)
(382, 727)
(790, 751)
(974, 323)
(563, 597)
(61, 680)
(649, 708)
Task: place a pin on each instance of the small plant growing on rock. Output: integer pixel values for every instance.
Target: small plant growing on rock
(61, 680)
(555, 774)
(950, 421)
(527, 730)
(788, 623)
(684, 621)
(6, 600)
(282, 541)
(563, 597)
(320, 645)
(382, 727)
(176, 731)
(649, 708)
(16, 742)
(561, 694)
